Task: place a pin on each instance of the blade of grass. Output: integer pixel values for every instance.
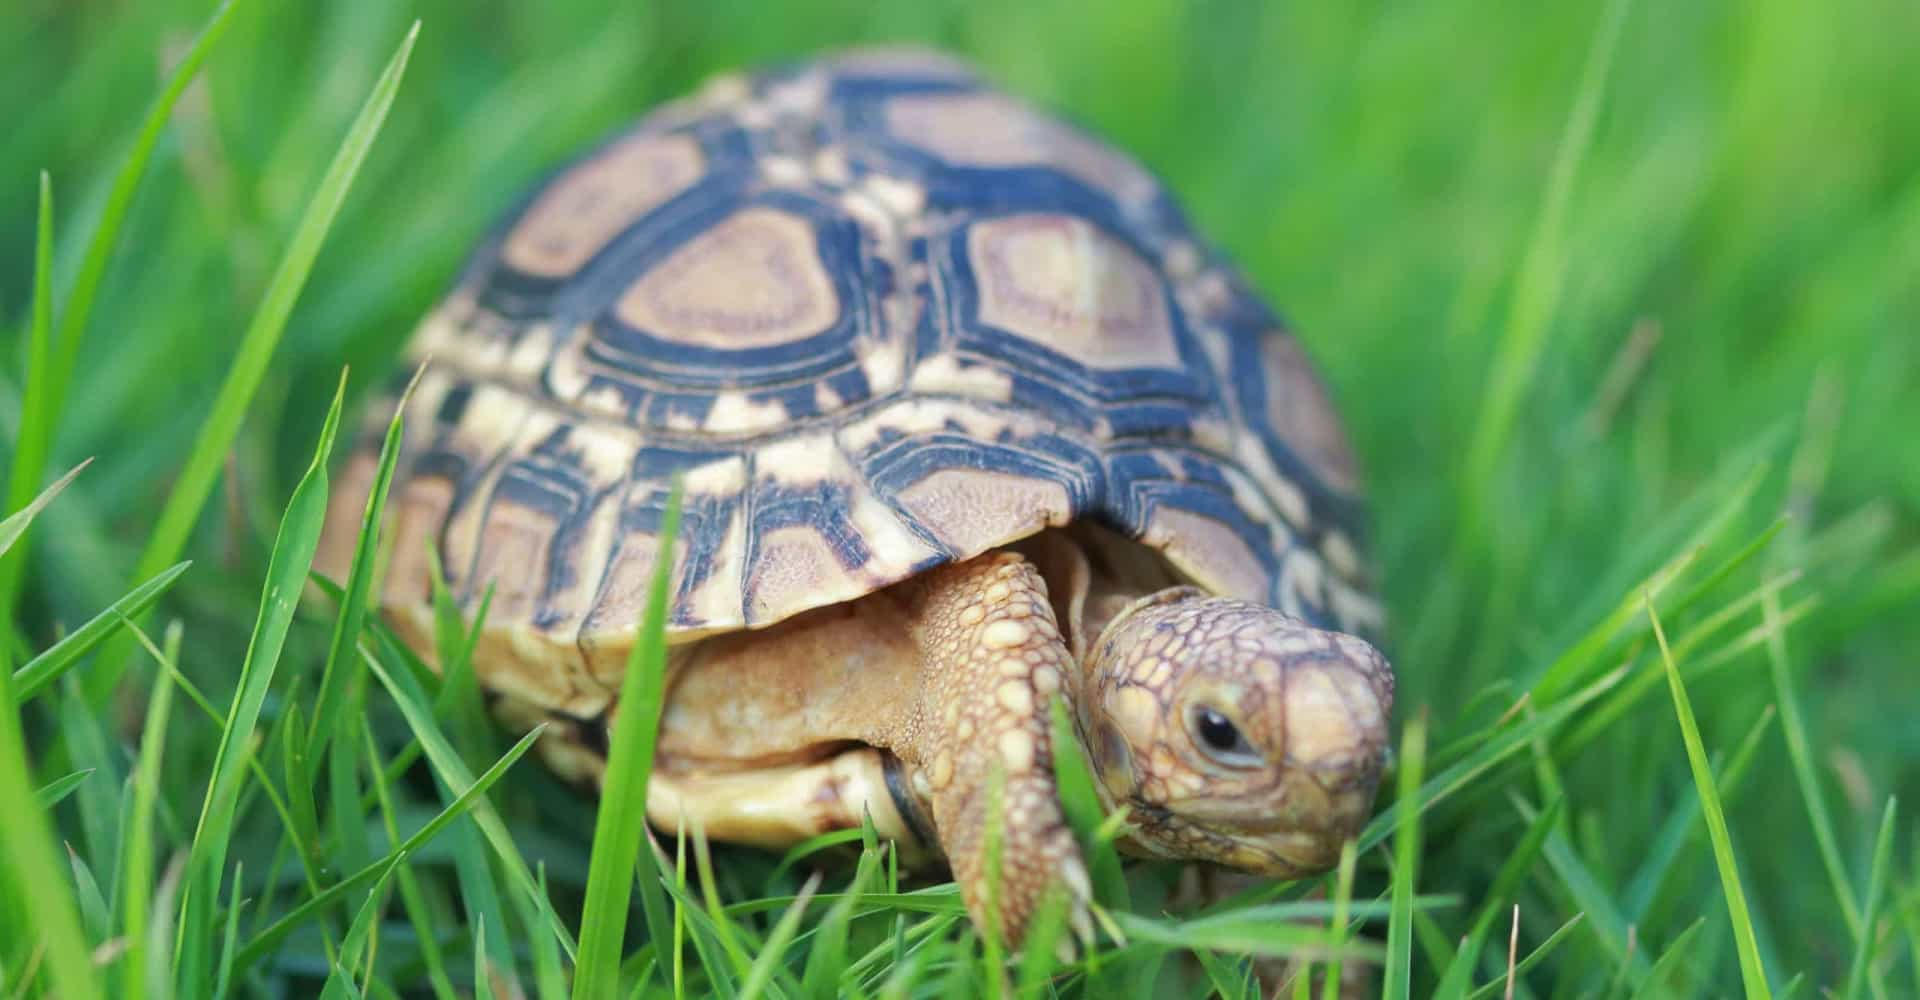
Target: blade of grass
(1910, 919)
(549, 980)
(943, 898)
(93, 904)
(1432, 940)
(1081, 802)
(1640, 891)
(230, 935)
(453, 773)
(1246, 905)
(1863, 952)
(1337, 926)
(480, 895)
(718, 921)
(1533, 958)
(267, 939)
(482, 976)
(459, 700)
(1659, 981)
(701, 928)
(1645, 682)
(17, 523)
(56, 791)
(1232, 979)
(466, 727)
(350, 847)
(679, 913)
(410, 895)
(27, 467)
(760, 976)
(255, 351)
(304, 830)
(293, 551)
(1506, 882)
(894, 952)
(1041, 950)
(1615, 625)
(342, 666)
(1234, 935)
(60, 356)
(160, 933)
(1458, 977)
(1498, 746)
(811, 846)
(1794, 728)
(136, 877)
(1609, 926)
(1724, 517)
(342, 676)
(1752, 975)
(100, 802)
(619, 834)
(250, 760)
(28, 847)
(1640, 684)
(827, 959)
(1700, 524)
(1397, 978)
(464, 735)
(340, 981)
(50, 665)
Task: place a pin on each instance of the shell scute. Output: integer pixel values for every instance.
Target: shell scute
(729, 324)
(579, 213)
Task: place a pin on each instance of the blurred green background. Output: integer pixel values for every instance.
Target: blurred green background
(1749, 201)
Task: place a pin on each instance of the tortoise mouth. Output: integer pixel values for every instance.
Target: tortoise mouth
(1269, 845)
(1293, 855)
(1292, 829)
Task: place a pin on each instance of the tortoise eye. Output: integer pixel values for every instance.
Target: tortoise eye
(1220, 739)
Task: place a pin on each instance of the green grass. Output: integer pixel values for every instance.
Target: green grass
(624, 849)
(1752, 972)
(1618, 300)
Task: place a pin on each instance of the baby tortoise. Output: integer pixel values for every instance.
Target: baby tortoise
(967, 418)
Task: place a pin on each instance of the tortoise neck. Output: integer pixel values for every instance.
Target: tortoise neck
(1093, 576)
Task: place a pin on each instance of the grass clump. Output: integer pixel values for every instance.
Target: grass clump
(1617, 302)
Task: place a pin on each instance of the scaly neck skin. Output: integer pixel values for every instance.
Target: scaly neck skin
(1084, 590)
(1107, 714)
(1089, 594)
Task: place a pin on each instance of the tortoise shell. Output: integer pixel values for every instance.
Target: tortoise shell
(877, 316)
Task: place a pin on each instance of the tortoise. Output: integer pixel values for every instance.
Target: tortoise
(967, 419)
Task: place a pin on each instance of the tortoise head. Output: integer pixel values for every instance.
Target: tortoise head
(1236, 733)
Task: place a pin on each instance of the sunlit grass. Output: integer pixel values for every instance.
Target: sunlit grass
(1752, 971)
(1465, 223)
(32, 872)
(622, 848)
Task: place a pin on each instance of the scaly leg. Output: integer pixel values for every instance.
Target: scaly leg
(992, 658)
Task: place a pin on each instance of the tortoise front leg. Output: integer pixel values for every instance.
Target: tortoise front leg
(992, 658)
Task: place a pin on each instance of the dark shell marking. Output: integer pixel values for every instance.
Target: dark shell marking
(880, 317)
